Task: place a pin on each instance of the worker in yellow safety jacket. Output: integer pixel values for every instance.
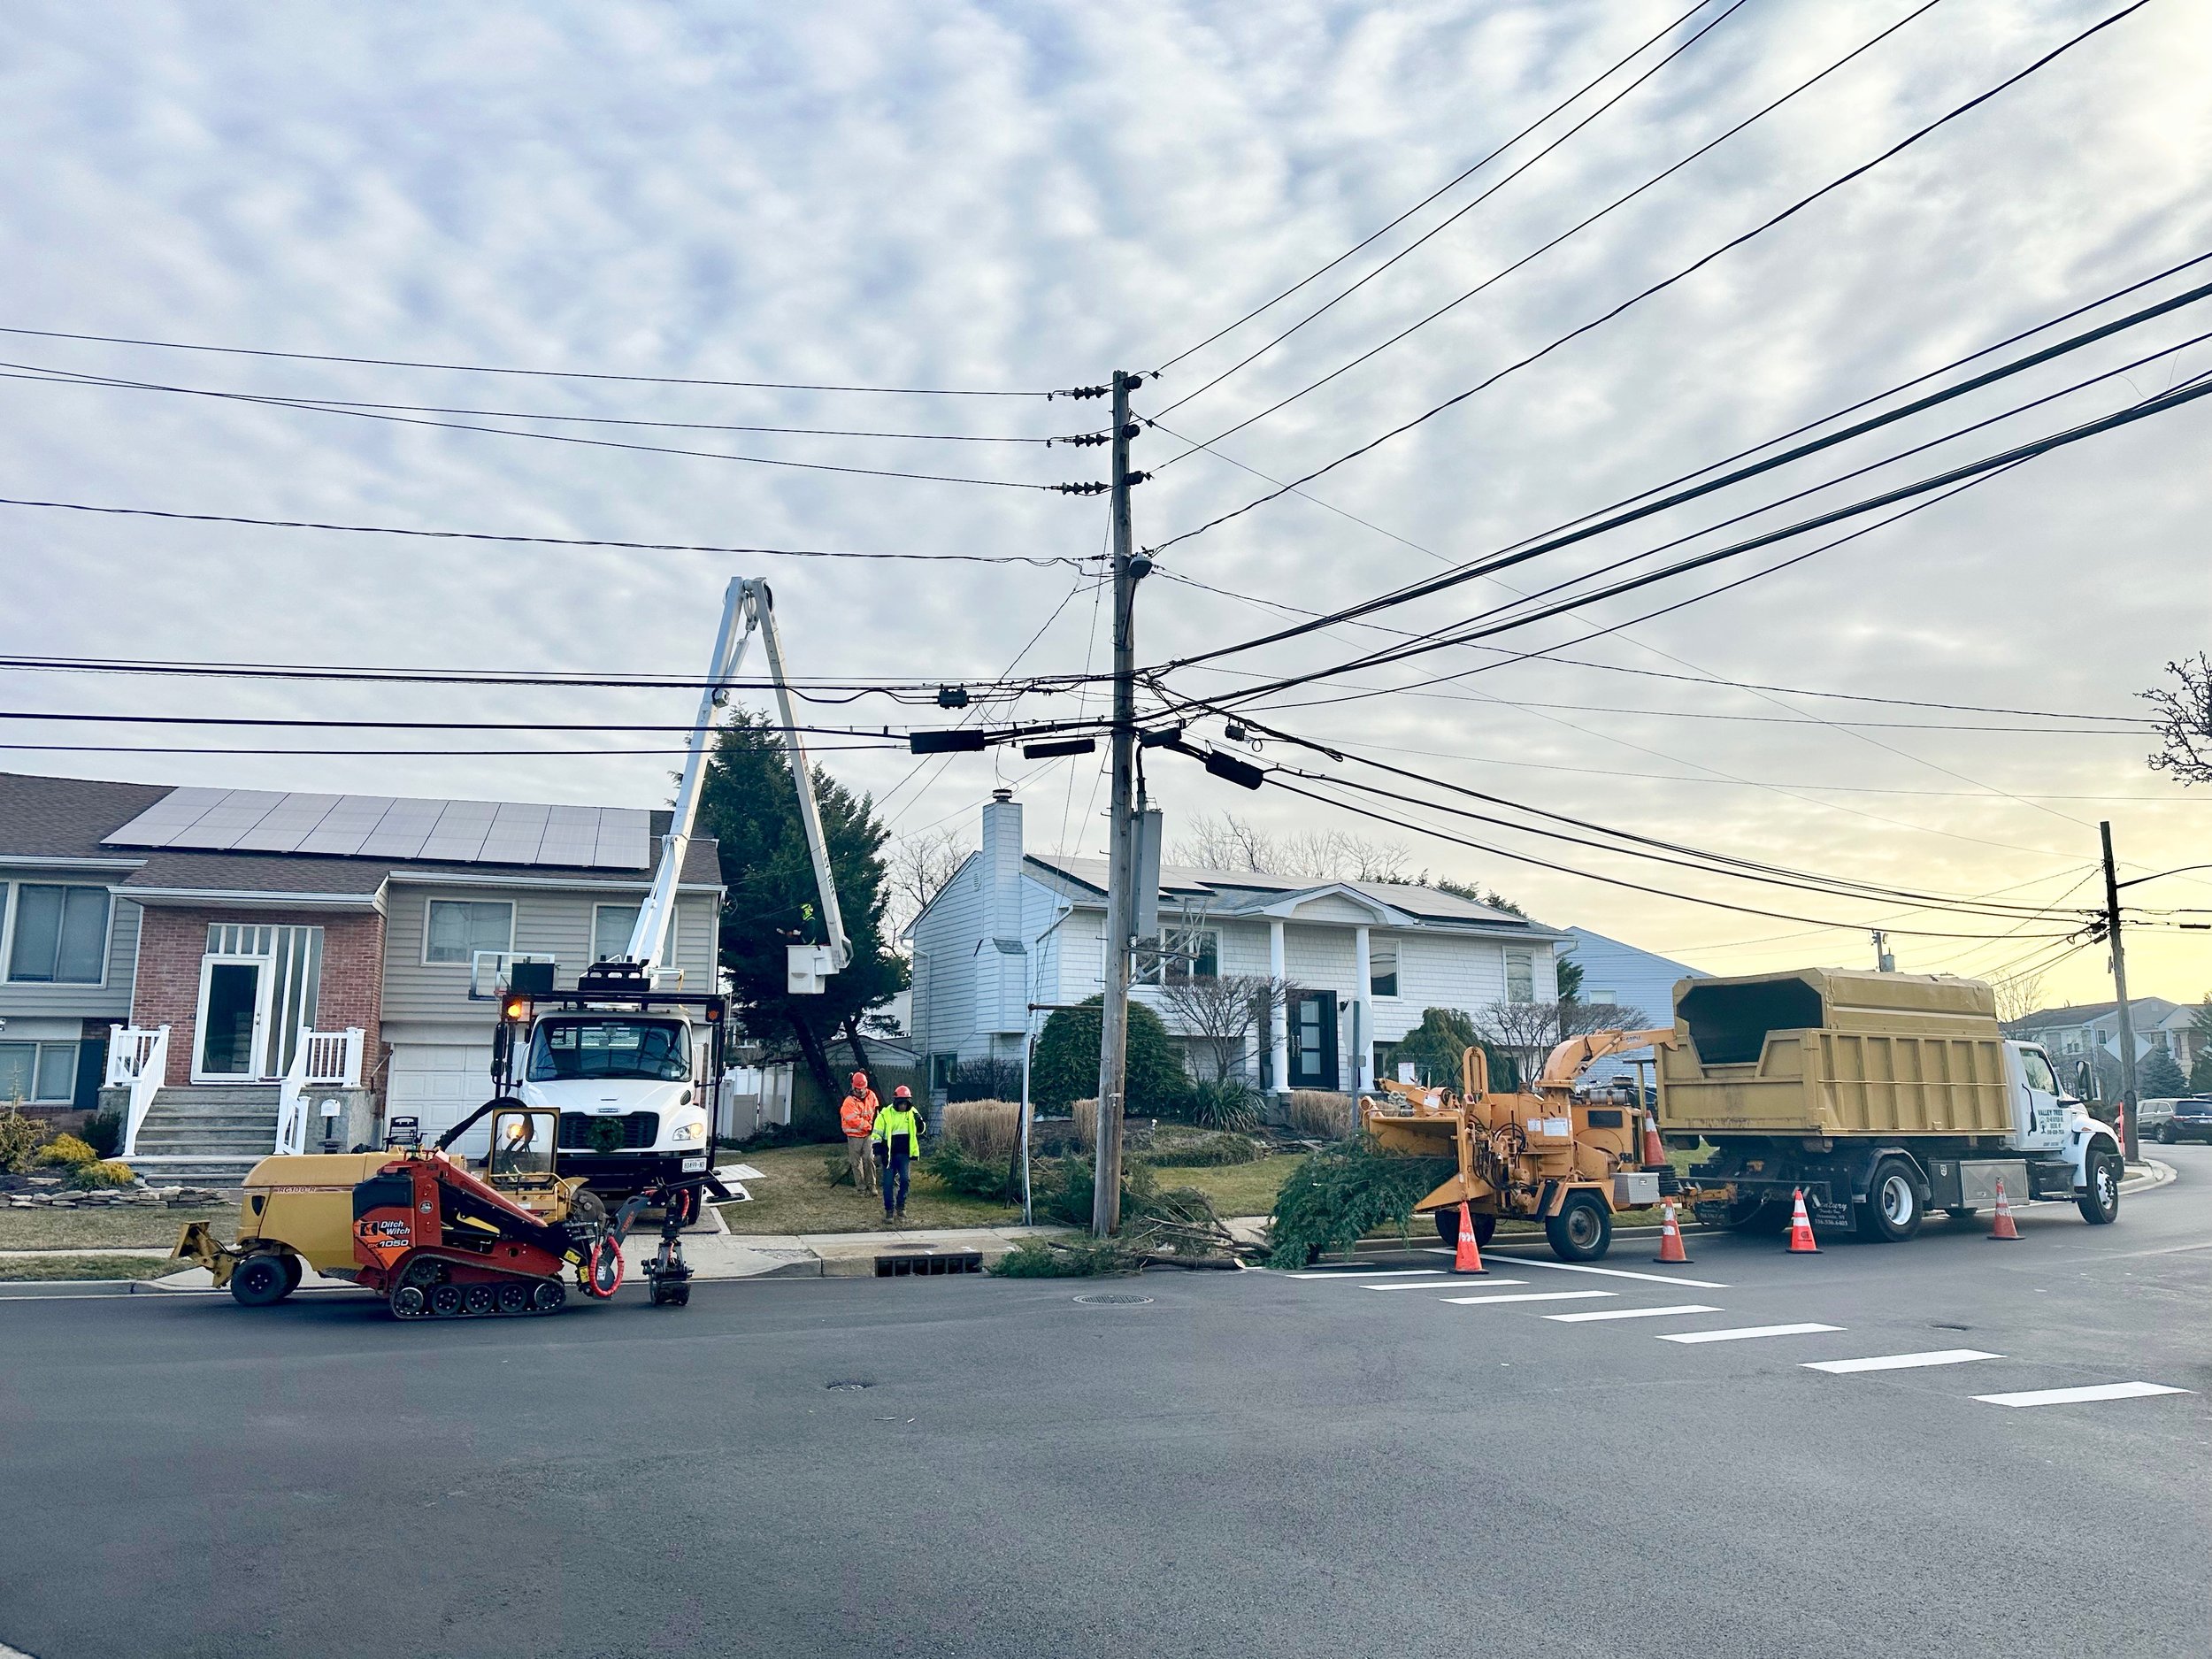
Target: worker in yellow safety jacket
(857, 1118)
(897, 1135)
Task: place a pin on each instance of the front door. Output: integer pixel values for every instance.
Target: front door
(1313, 1040)
(231, 1019)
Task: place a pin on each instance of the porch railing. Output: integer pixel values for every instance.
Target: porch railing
(322, 1059)
(138, 1060)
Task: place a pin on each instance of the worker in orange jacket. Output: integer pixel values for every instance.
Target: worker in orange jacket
(857, 1118)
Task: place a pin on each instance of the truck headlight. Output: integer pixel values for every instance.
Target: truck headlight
(689, 1131)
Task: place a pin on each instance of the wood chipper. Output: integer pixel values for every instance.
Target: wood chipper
(1544, 1156)
(434, 1239)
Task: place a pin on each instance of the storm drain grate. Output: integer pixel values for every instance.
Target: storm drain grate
(929, 1264)
(1112, 1299)
(850, 1382)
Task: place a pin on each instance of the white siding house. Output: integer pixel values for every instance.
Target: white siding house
(1359, 960)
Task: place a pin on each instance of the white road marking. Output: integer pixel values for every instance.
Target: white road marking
(1630, 1313)
(1427, 1286)
(1611, 1273)
(1746, 1333)
(1535, 1295)
(1373, 1272)
(1900, 1361)
(2072, 1396)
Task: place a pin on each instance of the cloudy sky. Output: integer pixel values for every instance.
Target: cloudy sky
(1024, 198)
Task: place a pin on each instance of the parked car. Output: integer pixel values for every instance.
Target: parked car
(2191, 1120)
(2150, 1114)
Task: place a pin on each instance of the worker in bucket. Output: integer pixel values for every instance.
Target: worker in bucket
(857, 1118)
(897, 1135)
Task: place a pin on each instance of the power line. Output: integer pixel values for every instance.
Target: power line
(1454, 217)
(1575, 229)
(1605, 75)
(1666, 282)
(265, 401)
(344, 754)
(556, 374)
(1037, 560)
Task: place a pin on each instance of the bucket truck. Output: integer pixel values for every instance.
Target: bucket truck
(630, 1060)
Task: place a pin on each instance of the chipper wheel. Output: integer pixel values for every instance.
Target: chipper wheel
(267, 1277)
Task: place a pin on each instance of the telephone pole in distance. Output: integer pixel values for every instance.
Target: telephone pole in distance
(2131, 1148)
(1121, 897)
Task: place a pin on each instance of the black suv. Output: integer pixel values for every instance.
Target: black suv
(2192, 1121)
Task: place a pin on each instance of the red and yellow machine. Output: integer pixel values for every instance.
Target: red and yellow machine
(1541, 1156)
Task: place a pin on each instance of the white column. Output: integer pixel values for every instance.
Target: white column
(1279, 1059)
(1363, 1010)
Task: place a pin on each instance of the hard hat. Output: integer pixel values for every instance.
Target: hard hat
(860, 1079)
(902, 1093)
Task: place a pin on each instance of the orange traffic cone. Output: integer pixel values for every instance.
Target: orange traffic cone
(1671, 1249)
(1468, 1258)
(1655, 1150)
(1802, 1227)
(2003, 1227)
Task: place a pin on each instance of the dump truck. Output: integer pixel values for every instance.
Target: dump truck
(434, 1238)
(1881, 1096)
(1545, 1154)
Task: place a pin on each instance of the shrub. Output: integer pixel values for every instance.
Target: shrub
(961, 1172)
(66, 1149)
(985, 1080)
(1321, 1115)
(103, 1132)
(989, 1130)
(1067, 1258)
(102, 1173)
(1061, 1190)
(1065, 1067)
(20, 1138)
(1191, 1149)
(1340, 1193)
(1228, 1103)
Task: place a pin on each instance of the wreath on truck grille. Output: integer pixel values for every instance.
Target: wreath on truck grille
(605, 1134)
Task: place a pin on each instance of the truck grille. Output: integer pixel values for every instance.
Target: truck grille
(579, 1133)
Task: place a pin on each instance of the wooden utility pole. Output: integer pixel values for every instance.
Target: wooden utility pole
(1121, 897)
(2130, 1147)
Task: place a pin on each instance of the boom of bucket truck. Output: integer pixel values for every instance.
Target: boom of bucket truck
(631, 1060)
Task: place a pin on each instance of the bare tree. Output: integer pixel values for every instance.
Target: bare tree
(1226, 842)
(918, 868)
(2184, 721)
(1217, 1017)
(1530, 1031)
(2017, 997)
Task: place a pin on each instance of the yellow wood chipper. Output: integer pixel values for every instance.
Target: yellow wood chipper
(1541, 1156)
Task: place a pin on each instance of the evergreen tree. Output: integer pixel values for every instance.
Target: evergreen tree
(749, 805)
(2158, 1078)
(2200, 1072)
(1434, 1049)
(1065, 1069)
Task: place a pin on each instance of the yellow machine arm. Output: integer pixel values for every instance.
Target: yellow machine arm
(1571, 1058)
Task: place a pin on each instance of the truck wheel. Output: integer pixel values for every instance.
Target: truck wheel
(2099, 1201)
(1448, 1227)
(259, 1281)
(1892, 1211)
(1581, 1231)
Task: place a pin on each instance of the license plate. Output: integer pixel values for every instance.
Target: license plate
(692, 1165)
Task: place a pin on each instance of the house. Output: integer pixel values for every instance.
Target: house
(2072, 1034)
(231, 964)
(1627, 977)
(1357, 961)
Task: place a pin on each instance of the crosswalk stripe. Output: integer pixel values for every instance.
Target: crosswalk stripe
(1900, 1361)
(1536, 1295)
(1374, 1272)
(1608, 1272)
(1426, 1286)
(1746, 1333)
(2073, 1396)
(1630, 1313)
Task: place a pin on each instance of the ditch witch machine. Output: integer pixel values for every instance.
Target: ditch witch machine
(1539, 1156)
(436, 1239)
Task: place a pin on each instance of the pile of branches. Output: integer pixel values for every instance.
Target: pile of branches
(1342, 1194)
(1174, 1228)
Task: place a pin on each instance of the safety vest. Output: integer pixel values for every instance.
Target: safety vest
(892, 1122)
(857, 1115)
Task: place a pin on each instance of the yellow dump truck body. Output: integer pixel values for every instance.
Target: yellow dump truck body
(1836, 1053)
(306, 1203)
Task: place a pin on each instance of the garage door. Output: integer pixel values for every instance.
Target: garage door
(441, 1083)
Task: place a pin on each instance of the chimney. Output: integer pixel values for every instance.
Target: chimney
(1002, 868)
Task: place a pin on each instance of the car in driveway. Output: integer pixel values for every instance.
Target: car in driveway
(2191, 1120)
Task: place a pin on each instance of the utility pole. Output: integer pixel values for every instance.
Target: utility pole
(2131, 1148)
(1884, 963)
(1121, 896)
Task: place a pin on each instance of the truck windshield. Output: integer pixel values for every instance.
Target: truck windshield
(654, 1050)
(2038, 1071)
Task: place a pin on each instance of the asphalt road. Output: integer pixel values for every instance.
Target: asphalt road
(1242, 1465)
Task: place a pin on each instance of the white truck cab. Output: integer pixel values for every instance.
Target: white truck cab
(633, 1089)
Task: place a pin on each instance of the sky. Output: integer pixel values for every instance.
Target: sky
(1023, 199)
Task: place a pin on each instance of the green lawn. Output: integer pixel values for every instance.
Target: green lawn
(19, 1269)
(107, 1229)
(1237, 1189)
(796, 1196)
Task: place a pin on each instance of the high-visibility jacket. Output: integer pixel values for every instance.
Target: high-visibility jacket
(894, 1121)
(857, 1115)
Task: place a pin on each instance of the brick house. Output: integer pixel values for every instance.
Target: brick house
(238, 969)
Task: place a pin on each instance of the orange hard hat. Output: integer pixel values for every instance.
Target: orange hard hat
(860, 1079)
(902, 1093)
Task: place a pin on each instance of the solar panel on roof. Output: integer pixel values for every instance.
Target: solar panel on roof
(289, 822)
(347, 826)
(460, 831)
(572, 832)
(626, 839)
(402, 831)
(515, 832)
(180, 809)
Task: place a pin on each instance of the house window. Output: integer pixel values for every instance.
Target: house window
(61, 935)
(1382, 969)
(942, 1067)
(1520, 976)
(1180, 956)
(459, 928)
(45, 1073)
(611, 926)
